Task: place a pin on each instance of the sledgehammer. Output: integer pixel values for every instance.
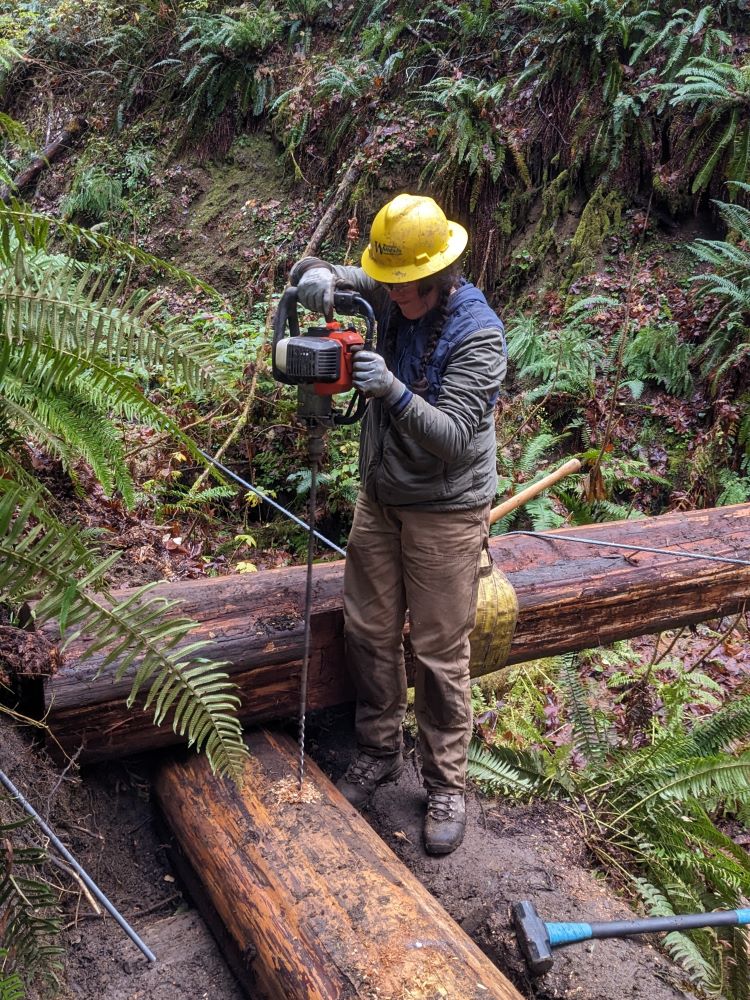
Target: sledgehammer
(537, 938)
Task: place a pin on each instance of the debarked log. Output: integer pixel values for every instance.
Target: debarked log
(571, 596)
(314, 905)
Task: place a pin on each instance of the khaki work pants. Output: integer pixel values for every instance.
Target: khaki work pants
(428, 562)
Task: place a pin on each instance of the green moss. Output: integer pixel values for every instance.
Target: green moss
(555, 200)
(672, 191)
(251, 170)
(230, 222)
(534, 253)
(601, 216)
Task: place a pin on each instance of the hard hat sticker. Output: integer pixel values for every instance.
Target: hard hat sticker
(386, 248)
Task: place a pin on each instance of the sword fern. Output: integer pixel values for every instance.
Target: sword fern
(470, 136)
(11, 987)
(68, 333)
(649, 815)
(728, 280)
(220, 56)
(719, 94)
(29, 916)
(139, 633)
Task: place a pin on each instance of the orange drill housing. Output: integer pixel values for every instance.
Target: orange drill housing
(349, 341)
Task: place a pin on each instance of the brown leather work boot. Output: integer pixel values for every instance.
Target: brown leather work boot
(365, 773)
(445, 822)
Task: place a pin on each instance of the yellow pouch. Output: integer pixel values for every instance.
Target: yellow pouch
(497, 612)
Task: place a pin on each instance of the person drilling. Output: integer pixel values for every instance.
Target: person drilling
(427, 466)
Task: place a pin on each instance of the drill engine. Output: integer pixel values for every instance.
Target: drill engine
(320, 361)
(322, 357)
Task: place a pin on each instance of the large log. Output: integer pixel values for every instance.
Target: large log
(571, 596)
(314, 904)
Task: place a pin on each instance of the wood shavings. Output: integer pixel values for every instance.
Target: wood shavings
(287, 790)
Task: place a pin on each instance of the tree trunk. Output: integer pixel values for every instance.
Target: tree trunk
(315, 906)
(571, 596)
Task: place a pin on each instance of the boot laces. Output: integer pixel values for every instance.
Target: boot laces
(441, 805)
(362, 768)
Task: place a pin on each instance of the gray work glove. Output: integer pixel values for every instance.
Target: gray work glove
(371, 375)
(315, 291)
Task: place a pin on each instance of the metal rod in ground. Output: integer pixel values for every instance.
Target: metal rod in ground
(90, 884)
(273, 503)
(308, 628)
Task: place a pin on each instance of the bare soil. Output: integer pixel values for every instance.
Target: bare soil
(105, 818)
(511, 852)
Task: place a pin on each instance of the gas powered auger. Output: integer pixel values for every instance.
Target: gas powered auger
(319, 362)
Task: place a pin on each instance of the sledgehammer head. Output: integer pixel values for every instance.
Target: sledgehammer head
(533, 938)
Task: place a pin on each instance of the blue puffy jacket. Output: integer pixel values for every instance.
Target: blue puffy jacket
(436, 451)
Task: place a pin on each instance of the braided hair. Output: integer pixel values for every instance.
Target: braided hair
(434, 321)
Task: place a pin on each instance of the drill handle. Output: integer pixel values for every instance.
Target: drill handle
(349, 303)
(286, 315)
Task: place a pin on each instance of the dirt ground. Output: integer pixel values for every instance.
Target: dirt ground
(105, 817)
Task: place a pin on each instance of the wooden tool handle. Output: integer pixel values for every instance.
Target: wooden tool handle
(521, 498)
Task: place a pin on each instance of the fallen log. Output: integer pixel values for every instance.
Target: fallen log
(314, 905)
(70, 134)
(339, 200)
(571, 596)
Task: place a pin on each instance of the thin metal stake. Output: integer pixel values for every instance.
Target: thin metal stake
(632, 548)
(272, 502)
(308, 629)
(90, 884)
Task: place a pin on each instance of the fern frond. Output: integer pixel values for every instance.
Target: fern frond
(511, 771)
(543, 515)
(702, 777)
(11, 987)
(723, 729)
(732, 864)
(535, 449)
(739, 162)
(191, 503)
(687, 954)
(90, 315)
(585, 731)
(737, 217)
(657, 355)
(65, 399)
(657, 904)
(35, 228)
(136, 633)
(29, 913)
(706, 172)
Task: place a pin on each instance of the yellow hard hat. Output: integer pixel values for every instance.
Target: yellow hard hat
(410, 238)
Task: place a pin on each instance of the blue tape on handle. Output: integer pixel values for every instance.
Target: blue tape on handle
(568, 933)
(743, 916)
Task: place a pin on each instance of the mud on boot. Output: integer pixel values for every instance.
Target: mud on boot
(445, 822)
(365, 773)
